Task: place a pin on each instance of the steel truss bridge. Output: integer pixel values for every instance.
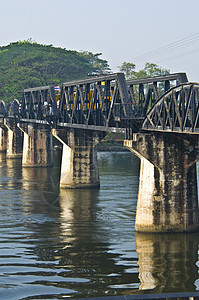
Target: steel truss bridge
(163, 103)
(146, 109)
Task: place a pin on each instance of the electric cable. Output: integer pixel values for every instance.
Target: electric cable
(168, 48)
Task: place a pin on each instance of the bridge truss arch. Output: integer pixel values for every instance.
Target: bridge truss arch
(13, 108)
(177, 110)
(3, 109)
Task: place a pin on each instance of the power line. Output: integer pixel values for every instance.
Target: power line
(180, 55)
(171, 45)
(168, 48)
(174, 57)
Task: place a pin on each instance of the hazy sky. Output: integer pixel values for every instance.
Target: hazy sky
(165, 32)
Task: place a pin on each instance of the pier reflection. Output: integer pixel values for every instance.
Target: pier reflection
(2, 157)
(78, 207)
(34, 178)
(10, 172)
(70, 240)
(167, 262)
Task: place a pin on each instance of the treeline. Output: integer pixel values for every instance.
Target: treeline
(149, 70)
(29, 64)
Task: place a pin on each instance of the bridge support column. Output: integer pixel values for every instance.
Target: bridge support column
(79, 167)
(167, 195)
(37, 145)
(14, 139)
(3, 139)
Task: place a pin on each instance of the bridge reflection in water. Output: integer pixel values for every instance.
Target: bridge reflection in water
(81, 242)
(173, 255)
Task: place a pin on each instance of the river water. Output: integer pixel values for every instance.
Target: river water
(56, 243)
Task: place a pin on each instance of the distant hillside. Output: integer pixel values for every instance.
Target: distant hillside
(28, 64)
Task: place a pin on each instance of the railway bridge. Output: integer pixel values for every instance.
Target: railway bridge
(160, 117)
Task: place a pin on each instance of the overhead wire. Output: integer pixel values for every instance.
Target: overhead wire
(167, 48)
(179, 55)
(170, 46)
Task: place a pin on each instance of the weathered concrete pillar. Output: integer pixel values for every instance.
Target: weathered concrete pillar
(14, 139)
(3, 139)
(37, 145)
(79, 167)
(167, 195)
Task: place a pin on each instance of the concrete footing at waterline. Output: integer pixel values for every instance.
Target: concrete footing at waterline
(79, 168)
(3, 139)
(14, 139)
(37, 145)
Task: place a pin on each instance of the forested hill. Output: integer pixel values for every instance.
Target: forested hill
(28, 64)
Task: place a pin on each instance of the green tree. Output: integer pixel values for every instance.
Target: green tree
(100, 65)
(149, 70)
(128, 69)
(27, 64)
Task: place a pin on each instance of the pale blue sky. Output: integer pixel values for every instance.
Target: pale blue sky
(121, 29)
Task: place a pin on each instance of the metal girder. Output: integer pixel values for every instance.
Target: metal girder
(37, 102)
(144, 92)
(178, 77)
(176, 111)
(98, 101)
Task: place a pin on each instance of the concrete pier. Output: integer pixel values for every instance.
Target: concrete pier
(3, 138)
(14, 139)
(79, 167)
(37, 145)
(167, 195)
